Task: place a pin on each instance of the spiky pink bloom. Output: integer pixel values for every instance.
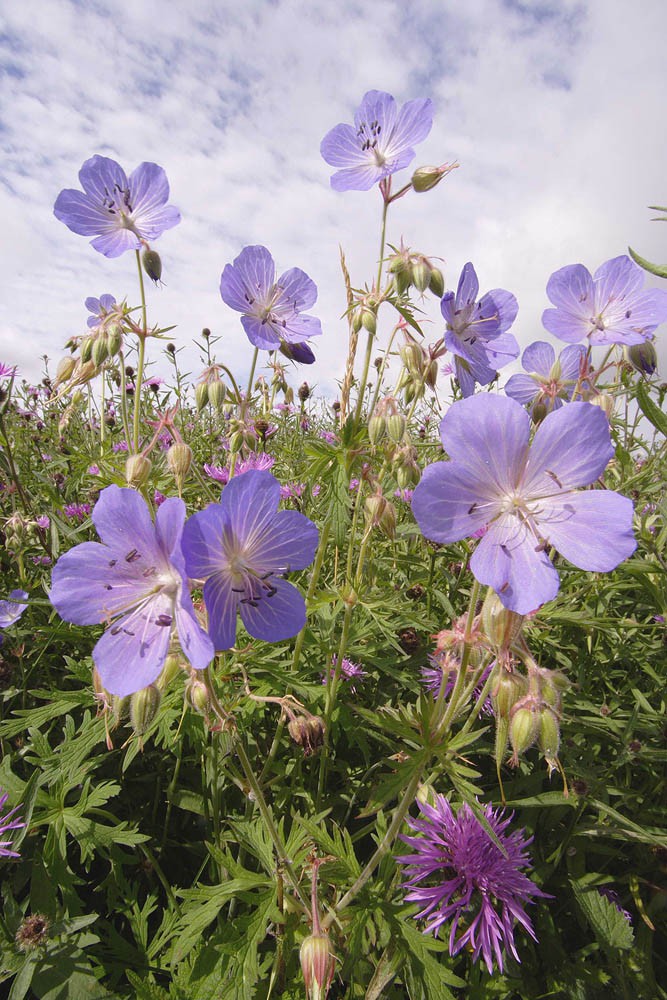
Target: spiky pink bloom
(8, 821)
(459, 874)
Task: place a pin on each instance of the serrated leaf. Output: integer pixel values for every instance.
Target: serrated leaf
(650, 410)
(145, 989)
(610, 926)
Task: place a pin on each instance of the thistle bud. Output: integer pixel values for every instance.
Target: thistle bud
(216, 393)
(137, 470)
(152, 264)
(144, 706)
(33, 932)
(426, 178)
(318, 965)
(642, 357)
(100, 351)
(377, 428)
(179, 459)
(304, 392)
(201, 396)
(437, 282)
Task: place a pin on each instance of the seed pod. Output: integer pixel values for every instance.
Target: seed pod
(421, 274)
(171, 668)
(86, 349)
(318, 965)
(198, 696)
(396, 424)
(500, 626)
(524, 726)
(605, 402)
(65, 370)
(412, 357)
(425, 178)
(369, 320)
(179, 459)
(437, 282)
(508, 690)
(114, 337)
(377, 428)
(152, 264)
(431, 374)
(100, 351)
(549, 733)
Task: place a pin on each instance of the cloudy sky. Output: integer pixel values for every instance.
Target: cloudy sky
(554, 110)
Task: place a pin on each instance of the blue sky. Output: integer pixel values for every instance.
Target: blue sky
(555, 111)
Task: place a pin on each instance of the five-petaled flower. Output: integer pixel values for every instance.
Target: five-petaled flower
(134, 580)
(122, 213)
(241, 547)
(526, 494)
(551, 381)
(610, 307)
(379, 143)
(273, 311)
(477, 330)
(458, 873)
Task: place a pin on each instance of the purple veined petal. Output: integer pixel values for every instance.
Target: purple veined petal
(361, 178)
(290, 544)
(299, 292)
(221, 604)
(593, 529)
(414, 122)
(632, 322)
(464, 377)
(251, 503)
(502, 350)
(12, 608)
(496, 312)
(509, 560)
(523, 388)
(448, 306)
(488, 436)
(341, 148)
(93, 305)
(297, 352)
(195, 642)
(538, 357)
(277, 617)
(249, 280)
(468, 286)
(449, 504)
(262, 334)
(380, 107)
(115, 242)
(616, 279)
(106, 303)
(571, 288)
(572, 361)
(565, 326)
(203, 542)
(149, 188)
(571, 448)
(301, 327)
(87, 589)
(131, 653)
(82, 217)
(169, 521)
(101, 176)
(123, 522)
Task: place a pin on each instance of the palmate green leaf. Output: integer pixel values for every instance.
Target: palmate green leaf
(390, 787)
(336, 843)
(57, 703)
(609, 925)
(145, 989)
(203, 904)
(433, 974)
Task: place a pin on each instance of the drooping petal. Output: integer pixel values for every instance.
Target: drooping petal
(488, 435)
(290, 544)
(277, 617)
(509, 559)
(448, 504)
(221, 604)
(592, 529)
(195, 642)
(131, 653)
(571, 448)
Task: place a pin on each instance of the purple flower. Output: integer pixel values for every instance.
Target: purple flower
(444, 669)
(135, 581)
(612, 896)
(477, 331)
(93, 470)
(43, 522)
(217, 472)
(76, 511)
(272, 310)
(608, 308)
(99, 309)
(301, 353)
(12, 608)
(379, 143)
(476, 884)
(550, 381)
(349, 671)
(526, 494)
(158, 498)
(241, 547)
(8, 821)
(7, 371)
(120, 212)
(119, 446)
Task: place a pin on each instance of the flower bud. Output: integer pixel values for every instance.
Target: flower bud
(171, 668)
(86, 349)
(152, 264)
(198, 695)
(437, 282)
(236, 441)
(642, 357)
(100, 351)
(114, 337)
(377, 428)
(524, 725)
(500, 626)
(375, 505)
(396, 424)
(539, 412)
(216, 393)
(179, 459)
(549, 733)
(369, 320)
(304, 392)
(65, 370)
(509, 688)
(318, 965)
(137, 470)
(605, 402)
(144, 706)
(426, 178)
(412, 357)
(431, 374)
(201, 396)
(421, 274)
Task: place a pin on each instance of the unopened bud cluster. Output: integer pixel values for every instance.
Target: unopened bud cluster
(417, 271)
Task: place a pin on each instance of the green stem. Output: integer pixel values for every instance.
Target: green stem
(250, 378)
(382, 849)
(385, 359)
(140, 361)
(314, 579)
(454, 698)
(369, 342)
(123, 399)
